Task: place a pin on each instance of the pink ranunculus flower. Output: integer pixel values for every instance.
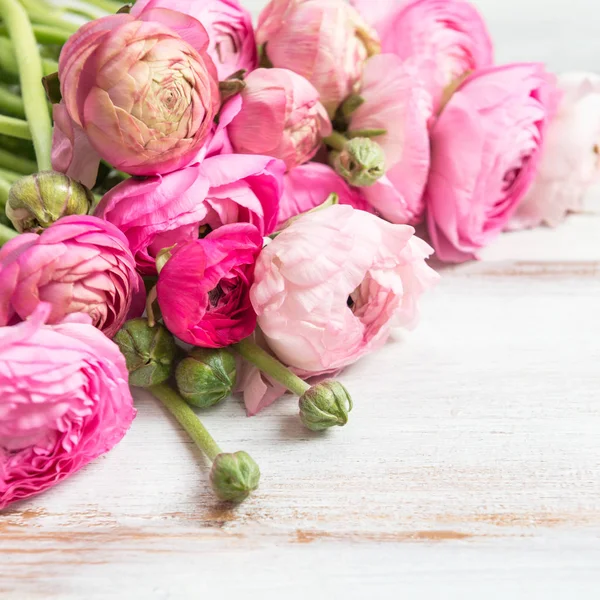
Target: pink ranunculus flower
(229, 26)
(394, 102)
(64, 401)
(570, 164)
(79, 264)
(325, 41)
(310, 185)
(160, 212)
(330, 287)
(444, 40)
(204, 288)
(486, 147)
(280, 116)
(143, 91)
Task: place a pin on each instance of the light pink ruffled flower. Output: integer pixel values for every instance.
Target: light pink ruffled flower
(310, 185)
(329, 288)
(143, 91)
(160, 212)
(396, 103)
(486, 147)
(281, 116)
(444, 40)
(229, 26)
(325, 41)
(79, 264)
(204, 288)
(64, 401)
(570, 164)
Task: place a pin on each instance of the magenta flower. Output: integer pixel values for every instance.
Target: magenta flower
(79, 264)
(143, 91)
(204, 288)
(160, 212)
(229, 26)
(64, 401)
(486, 147)
(310, 185)
(281, 116)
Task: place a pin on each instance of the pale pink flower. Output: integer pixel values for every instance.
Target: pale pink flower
(229, 26)
(79, 264)
(396, 103)
(281, 116)
(325, 41)
(486, 147)
(570, 164)
(64, 401)
(330, 287)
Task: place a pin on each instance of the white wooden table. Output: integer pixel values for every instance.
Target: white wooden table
(470, 468)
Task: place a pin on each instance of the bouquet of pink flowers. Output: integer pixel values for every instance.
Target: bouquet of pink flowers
(251, 193)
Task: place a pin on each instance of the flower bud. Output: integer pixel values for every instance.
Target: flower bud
(361, 163)
(206, 376)
(37, 201)
(325, 405)
(234, 476)
(149, 352)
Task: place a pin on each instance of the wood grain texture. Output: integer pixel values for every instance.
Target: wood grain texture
(470, 468)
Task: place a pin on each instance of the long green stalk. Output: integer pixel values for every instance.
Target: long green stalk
(15, 127)
(4, 191)
(107, 5)
(11, 104)
(31, 73)
(42, 13)
(45, 34)
(18, 164)
(9, 176)
(6, 234)
(8, 60)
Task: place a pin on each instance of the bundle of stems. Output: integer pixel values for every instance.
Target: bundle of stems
(32, 34)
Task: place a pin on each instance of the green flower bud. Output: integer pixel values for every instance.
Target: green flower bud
(149, 352)
(360, 163)
(206, 377)
(234, 476)
(38, 200)
(325, 405)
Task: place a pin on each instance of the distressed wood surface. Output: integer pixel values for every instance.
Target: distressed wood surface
(470, 468)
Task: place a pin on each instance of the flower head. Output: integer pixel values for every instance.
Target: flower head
(58, 410)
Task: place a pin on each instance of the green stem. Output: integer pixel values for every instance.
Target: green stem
(107, 5)
(14, 127)
(6, 234)
(4, 191)
(45, 34)
(9, 176)
(11, 104)
(31, 73)
(7, 58)
(44, 14)
(187, 418)
(336, 141)
(19, 164)
(271, 366)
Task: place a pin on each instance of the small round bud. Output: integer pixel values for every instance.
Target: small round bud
(361, 162)
(149, 352)
(206, 376)
(234, 476)
(325, 405)
(37, 201)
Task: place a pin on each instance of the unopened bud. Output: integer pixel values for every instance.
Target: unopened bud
(37, 201)
(325, 405)
(234, 476)
(206, 376)
(361, 163)
(149, 352)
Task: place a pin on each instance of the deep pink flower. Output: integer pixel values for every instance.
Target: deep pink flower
(79, 264)
(159, 212)
(325, 41)
(281, 116)
(229, 26)
(143, 91)
(486, 146)
(310, 185)
(330, 287)
(204, 288)
(64, 401)
(395, 102)
(444, 41)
